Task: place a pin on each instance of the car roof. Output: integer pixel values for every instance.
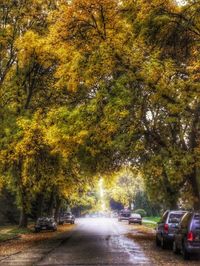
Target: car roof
(178, 211)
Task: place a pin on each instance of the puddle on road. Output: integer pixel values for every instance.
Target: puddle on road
(121, 244)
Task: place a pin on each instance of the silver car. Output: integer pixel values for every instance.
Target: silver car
(135, 218)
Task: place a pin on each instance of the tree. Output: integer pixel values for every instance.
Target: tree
(125, 186)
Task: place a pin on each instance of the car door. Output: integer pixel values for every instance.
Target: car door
(161, 223)
(195, 228)
(182, 230)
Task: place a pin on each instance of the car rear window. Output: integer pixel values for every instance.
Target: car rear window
(196, 222)
(197, 216)
(175, 217)
(135, 215)
(125, 214)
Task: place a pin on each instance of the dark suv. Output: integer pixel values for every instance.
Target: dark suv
(124, 215)
(187, 237)
(167, 227)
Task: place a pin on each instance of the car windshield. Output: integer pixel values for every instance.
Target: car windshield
(175, 217)
(135, 215)
(125, 214)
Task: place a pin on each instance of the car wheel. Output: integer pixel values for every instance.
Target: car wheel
(186, 254)
(129, 222)
(157, 242)
(175, 249)
(163, 243)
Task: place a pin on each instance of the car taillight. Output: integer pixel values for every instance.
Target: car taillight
(190, 236)
(166, 228)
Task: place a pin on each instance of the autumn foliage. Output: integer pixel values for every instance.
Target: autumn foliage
(88, 86)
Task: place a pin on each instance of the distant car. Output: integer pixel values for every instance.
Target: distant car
(114, 215)
(67, 218)
(167, 227)
(124, 215)
(187, 237)
(135, 218)
(45, 223)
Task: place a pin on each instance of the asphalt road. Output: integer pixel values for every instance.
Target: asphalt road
(93, 242)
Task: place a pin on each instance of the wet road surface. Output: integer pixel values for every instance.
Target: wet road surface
(93, 242)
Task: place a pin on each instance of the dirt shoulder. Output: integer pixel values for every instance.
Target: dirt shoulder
(145, 237)
(29, 239)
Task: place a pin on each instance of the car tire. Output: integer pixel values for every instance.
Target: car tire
(163, 243)
(129, 222)
(158, 243)
(186, 254)
(175, 249)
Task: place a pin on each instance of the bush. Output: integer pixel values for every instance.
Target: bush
(141, 212)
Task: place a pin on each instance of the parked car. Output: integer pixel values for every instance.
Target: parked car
(187, 237)
(114, 215)
(67, 218)
(167, 227)
(45, 223)
(124, 215)
(135, 218)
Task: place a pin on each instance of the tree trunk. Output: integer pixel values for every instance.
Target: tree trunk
(23, 222)
(173, 203)
(194, 142)
(195, 189)
(51, 203)
(171, 193)
(40, 201)
(57, 210)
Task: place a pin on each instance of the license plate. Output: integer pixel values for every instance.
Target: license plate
(44, 227)
(197, 238)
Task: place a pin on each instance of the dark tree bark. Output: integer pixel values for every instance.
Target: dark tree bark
(195, 189)
(194, 142)
(40, 201)
(57, 209)
(51, 203)
(23, 222)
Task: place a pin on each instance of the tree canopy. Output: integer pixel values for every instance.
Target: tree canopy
(90, 86)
